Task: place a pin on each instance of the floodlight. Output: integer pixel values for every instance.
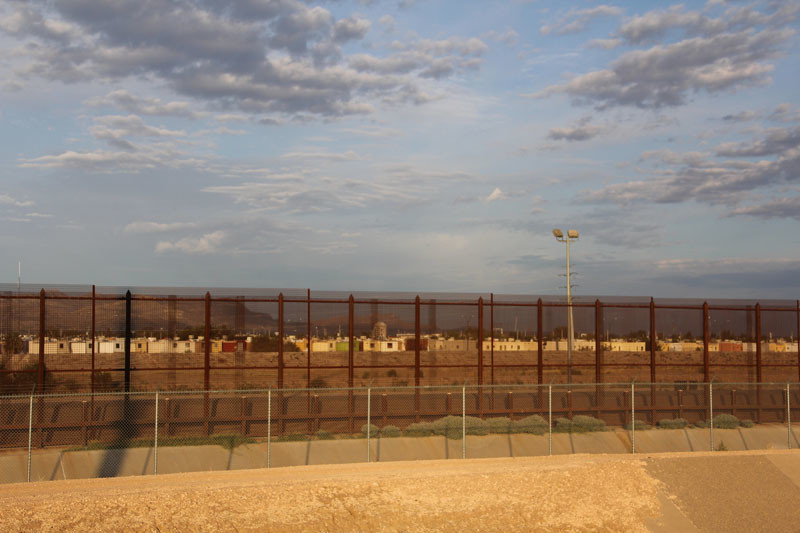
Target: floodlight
(558, 233)
(572, 234)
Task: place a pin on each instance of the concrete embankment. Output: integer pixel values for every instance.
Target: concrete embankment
(58, 464)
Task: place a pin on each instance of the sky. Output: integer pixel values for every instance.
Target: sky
(389, 145)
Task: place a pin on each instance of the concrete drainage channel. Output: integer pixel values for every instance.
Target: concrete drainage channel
(52, 464)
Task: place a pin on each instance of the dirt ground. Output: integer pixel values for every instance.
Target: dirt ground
(722, 491)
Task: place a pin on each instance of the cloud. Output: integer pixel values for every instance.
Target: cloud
(665, 75)
(350, 29)
(655, 24)
(8, 200)
(785, 113)
(508, 36)
(741, 116)
(141, 226)
(112, 161)
(697, 176)
(143, 106)
(774, 141)
(208, 243)
(496, 194)
(280, 57)
(425, 58)
(582, 131)
(778, 208)
(605, 44)
(324, 156)
(576, 20)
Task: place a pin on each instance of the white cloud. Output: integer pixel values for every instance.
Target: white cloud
(208, 243)
(141, 226)
(496, 194)
(8, 200)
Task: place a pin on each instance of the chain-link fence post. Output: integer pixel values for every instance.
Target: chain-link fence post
(711, 414)
(464, 422)
(369, 419)
(550, 419)
(788, 419)
(30, 435)
(269, 426)
(155, 441)
(633, 418)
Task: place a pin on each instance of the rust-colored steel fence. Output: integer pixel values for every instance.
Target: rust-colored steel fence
(89, 339)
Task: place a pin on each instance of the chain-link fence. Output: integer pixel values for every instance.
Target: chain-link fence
(65, 436)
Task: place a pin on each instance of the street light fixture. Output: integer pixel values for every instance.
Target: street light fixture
(572, 235)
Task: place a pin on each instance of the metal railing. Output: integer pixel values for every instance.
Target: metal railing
(114, 425)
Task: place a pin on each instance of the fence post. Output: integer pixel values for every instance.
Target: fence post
(207, 360)
(711, 413)
(281, 363)
(128, 341)
(550, 418)
(706, 372)
(417, 357)
(269, 425)
(491, 346)
(40, 371)
(94, 340)
(155, 441)
(463, 422)
(633, 417)
(369, 419)
(788, 419)
(539, 348)
(30, 436)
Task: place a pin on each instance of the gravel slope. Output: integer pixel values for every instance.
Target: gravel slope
(723, 491)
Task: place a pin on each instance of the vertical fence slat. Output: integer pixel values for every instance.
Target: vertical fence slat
(94, 335)
(539, 346)
(706, 371)
(128, 341)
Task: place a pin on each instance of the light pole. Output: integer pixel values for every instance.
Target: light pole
(572, 235)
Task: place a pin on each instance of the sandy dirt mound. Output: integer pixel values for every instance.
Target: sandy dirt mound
(577, 493)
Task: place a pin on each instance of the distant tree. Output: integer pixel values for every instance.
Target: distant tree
(12, 343)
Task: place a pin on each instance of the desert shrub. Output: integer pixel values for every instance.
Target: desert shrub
(391, 373)
(324, 435)
(673, 423)
(585, 424)
(451, 426)
(747, 423)
(726, 421)
(722, 447)
(391, 431)
(500, 425)
(701, 424)
(534, 424)
(373, 430)
(562, 425)
(318, 383)
(419, 429)
(639, 425)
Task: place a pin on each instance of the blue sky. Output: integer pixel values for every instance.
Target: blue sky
(414, 145)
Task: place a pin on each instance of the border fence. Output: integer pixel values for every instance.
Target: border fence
(114, 424)
(89, 339)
